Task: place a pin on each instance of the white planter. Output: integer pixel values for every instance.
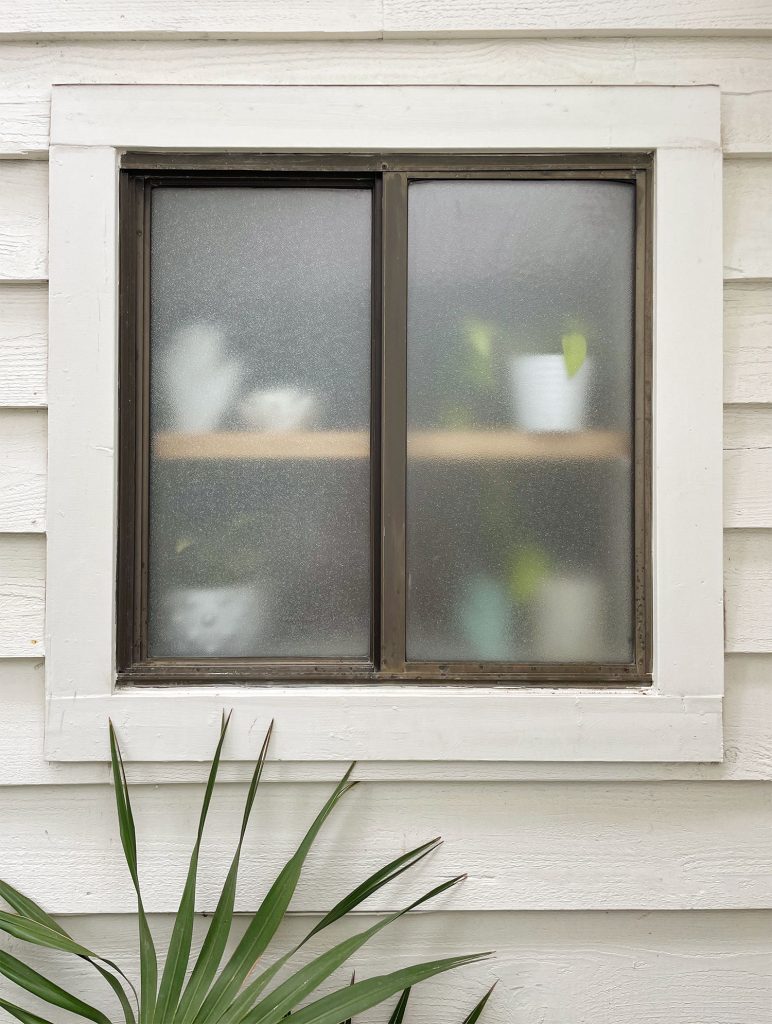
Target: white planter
(544, 398)
(570, 619)
(210, 622)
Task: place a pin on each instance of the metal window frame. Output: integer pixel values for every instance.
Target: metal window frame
(389, 176)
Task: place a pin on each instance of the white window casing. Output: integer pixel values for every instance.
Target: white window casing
(677, 719)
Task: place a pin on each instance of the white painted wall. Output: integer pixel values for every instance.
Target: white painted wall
(615, 894)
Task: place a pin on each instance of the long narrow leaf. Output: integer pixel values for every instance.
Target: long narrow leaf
(148, 963)
(374, 883)
(399, 1010)
(265, 922)
(336, 1006)
(118, 989)
(37, 985)
(474, 1016)
(178, 954)
(26, 907)
(40, 935)
(219, 928)
(25, 1016)
(353, 980)
(30, 910)
(286, 996)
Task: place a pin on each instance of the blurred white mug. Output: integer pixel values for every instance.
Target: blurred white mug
(287, 408)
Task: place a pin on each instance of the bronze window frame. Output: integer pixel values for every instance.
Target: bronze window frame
(388, 175)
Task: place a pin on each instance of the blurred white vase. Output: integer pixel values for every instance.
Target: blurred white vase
(198, 379)
(570, 619)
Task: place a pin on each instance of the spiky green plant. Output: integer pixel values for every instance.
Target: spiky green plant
(207, 991)
(398, 1015)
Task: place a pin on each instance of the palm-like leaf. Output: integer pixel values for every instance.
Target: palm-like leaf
(37, 985)
(398, 1015)
(363, 995)
(217, 936)
(27, 908)
(178, 956)
(477, 1011)
(266, 921)
(21, 1014)
(148, 963)
(229, 993)
(399, 1010)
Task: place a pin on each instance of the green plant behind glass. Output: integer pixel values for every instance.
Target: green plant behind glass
(468, 380)
(203, 989)
(229, 553)
(574, 352)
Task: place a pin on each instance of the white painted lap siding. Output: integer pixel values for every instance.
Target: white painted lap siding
(617, 894)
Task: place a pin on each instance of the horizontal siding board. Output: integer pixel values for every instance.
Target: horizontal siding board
(305, 18)
(566, 17)
(361, 18)
(748, 467)
(541, 846)
(22, 592)
(748, 218)
(23, 127)
(747, 718)
(28, 70)
(23, 344)
(746, 120)
(23, 220)
(747, 342)
(551, 967)
(22, 470)
(748, 585)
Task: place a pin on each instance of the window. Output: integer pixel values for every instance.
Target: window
(630, 496)
(385, 418)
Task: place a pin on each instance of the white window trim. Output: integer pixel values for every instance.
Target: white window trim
(678, 719)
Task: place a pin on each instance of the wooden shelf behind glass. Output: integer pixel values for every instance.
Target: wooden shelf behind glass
(448, 445)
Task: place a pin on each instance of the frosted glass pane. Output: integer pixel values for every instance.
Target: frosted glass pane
(520, 410)
(260, 399)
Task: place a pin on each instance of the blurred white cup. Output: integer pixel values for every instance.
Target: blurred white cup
(544, 398)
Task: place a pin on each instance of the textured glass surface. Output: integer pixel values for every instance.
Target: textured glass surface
(520, 409)
(260, 397)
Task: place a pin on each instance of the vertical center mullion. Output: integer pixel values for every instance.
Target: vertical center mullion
(393, 422)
